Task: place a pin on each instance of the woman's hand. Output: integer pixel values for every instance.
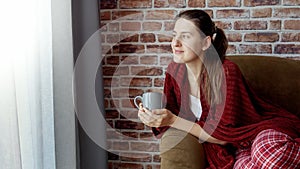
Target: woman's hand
(157, 117)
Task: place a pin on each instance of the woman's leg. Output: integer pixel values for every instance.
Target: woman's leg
(180, 150)
(273, 149)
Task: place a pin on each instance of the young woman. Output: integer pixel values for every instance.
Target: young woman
(212, 118)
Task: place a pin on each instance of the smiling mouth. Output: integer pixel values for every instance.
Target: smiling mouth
(178, 51)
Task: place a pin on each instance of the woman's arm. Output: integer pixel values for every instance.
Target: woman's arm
(194, 129)
(163, 117)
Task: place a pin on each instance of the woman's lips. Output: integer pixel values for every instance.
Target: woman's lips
(178, 51)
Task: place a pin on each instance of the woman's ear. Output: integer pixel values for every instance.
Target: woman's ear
(206, 43)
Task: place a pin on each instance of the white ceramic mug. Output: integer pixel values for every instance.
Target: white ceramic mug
(150, 100)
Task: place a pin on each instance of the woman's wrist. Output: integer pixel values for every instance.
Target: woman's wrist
(182, 124)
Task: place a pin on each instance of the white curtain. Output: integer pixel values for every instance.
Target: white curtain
(26, 102)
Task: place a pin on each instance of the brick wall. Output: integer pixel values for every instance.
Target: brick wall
(136, 46)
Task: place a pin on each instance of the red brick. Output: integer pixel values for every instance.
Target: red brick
(290, 37)
(130, 26)
(114, 27)
(127, 124)
(291, 2)
(164, 38)
(246, 49)
(223, 25)
(106, 49)
(196, 3)
(108, 70)
(126, 4)
(250, 25)
(169, 3)
(108, 4)
(146, 71)
(124, 165)
(109, 82)
(287, 49)
(129, 48)
(159, 82)
(169, 26)
(129, 38)
(275, 25)
(226, 3)
(159, 48)
(105, 15)
(161, 3)
(156, 158)
(165, 60)
(114, 103)
(129, 60)
(127, 15)
(160, 15)
(231, 49)
(106, 103)
(152, 26)
(261, 37)
(234, 37)
(261, 3)
(112, 60)
(292, 24)
(177, 3)
(103, 26)
(261, 13)
(112, 135)
(130, 135)
(117, 145)
(136, 82)
(125, 92)
(147, 38)
(233, 13)
(131, 111)
(149, 60)
(112, 38)
(145, 147)
(153, 166)
(287, 12)
(147, 136)
(136, 157)
(111, 114)
(117, 71)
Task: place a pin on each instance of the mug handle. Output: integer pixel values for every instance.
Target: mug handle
(136, 99)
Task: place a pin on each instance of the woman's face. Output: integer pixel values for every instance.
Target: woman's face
(186, 43)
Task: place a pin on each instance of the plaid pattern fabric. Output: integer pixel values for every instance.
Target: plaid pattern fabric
(270, 149)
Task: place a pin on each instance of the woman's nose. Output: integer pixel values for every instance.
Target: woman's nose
(176, 42)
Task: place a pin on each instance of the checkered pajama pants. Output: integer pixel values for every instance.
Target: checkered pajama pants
(270, 149)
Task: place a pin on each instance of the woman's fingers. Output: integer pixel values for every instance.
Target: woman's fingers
(149, 118)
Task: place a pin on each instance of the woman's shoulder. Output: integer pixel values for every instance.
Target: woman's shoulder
(230, 66)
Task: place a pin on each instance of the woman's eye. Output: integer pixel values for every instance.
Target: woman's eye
(185, 36)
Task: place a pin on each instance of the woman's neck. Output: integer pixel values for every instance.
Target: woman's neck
(194, 70)
(193, 73)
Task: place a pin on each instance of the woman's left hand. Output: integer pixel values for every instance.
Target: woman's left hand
(157, 117)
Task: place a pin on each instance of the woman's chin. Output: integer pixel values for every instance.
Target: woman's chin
(177, 60)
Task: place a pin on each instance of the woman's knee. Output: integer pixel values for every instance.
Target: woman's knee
(181, 150)
(275, 149)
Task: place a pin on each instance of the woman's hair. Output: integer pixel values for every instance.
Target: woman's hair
(212, 71)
